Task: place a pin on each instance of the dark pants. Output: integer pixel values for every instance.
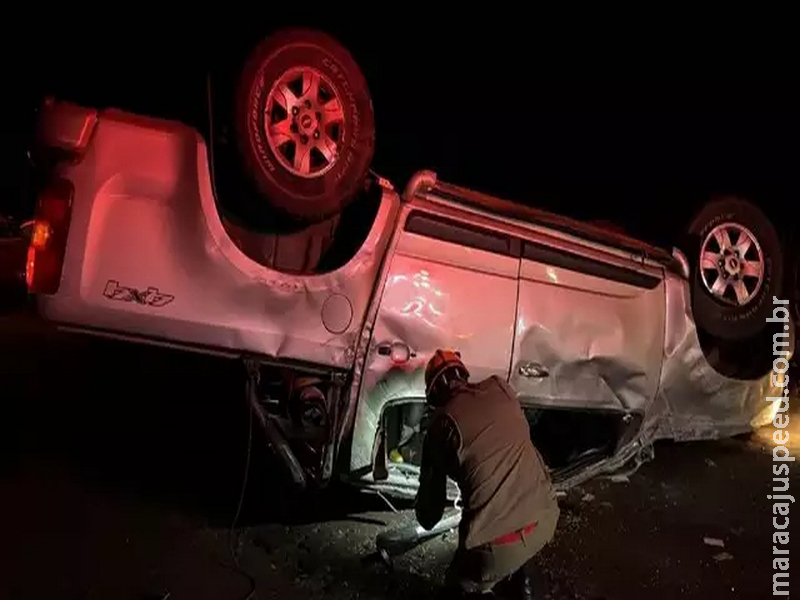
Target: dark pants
(477, 570)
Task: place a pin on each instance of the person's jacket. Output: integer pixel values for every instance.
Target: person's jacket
(481, 439)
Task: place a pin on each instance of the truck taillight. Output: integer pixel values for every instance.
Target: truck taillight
(48, 241)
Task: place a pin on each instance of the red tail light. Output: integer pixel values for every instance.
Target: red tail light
(49, 238)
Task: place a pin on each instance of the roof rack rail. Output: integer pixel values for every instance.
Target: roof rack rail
(426, 184)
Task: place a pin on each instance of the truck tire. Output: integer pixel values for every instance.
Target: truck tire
(737, 267)
(304, 124)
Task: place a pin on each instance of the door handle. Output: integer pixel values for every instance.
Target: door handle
(398, 352)
(533, 370)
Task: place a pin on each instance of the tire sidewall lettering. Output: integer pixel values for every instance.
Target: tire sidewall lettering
(256, 122)
(352, 130)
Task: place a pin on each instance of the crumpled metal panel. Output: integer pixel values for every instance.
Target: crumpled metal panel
(691, 401)
(600, 342)
(145, 218)
(694, 401)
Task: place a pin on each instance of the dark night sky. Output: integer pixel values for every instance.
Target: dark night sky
(491, 116)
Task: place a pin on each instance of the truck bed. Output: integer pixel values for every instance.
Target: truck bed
(148, 255)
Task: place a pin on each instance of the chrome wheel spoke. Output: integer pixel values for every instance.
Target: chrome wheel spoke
(310, 86)
(281, 132)
(719, 287)
(751, 268)
(723, 239)
(327, 147)
(740, 289)
(332, 112)
(302, 159)
(710, 260)
(285, 98)
(743, 244)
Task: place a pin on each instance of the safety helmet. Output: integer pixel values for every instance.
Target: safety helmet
(442, 361)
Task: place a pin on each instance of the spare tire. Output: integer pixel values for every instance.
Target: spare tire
(305, 124)
(737, 267)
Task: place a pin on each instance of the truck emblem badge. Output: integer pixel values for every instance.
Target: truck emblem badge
(149, 297)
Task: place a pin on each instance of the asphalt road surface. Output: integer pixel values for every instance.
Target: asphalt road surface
(121, 470)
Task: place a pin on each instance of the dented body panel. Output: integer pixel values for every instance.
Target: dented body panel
(592, 342)
(145, 228)
(608, 332)
(694, 401)
(573, 318)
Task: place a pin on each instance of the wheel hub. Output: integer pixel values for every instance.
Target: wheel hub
(732, 265)
(307, 122)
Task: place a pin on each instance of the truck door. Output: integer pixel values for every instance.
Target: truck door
(590, 327)
(449, 284)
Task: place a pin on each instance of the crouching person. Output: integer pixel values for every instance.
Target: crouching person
(480, 438)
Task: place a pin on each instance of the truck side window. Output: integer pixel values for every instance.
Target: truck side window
(582, 264)
(448, 230)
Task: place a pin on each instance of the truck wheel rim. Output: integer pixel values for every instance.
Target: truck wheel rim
(304, 122)
(732, 264)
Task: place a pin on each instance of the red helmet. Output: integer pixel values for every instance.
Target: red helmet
(442, 361)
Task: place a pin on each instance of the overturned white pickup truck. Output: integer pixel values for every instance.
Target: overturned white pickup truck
(594, 330)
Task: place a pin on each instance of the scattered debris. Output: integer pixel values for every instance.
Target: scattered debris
(717, 543)
(710, 463)
(620, 479)
(606, 505)
(737, 531)
(723, 556)
(587, 498)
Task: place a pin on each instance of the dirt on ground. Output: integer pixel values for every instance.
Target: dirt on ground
(121, 471)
